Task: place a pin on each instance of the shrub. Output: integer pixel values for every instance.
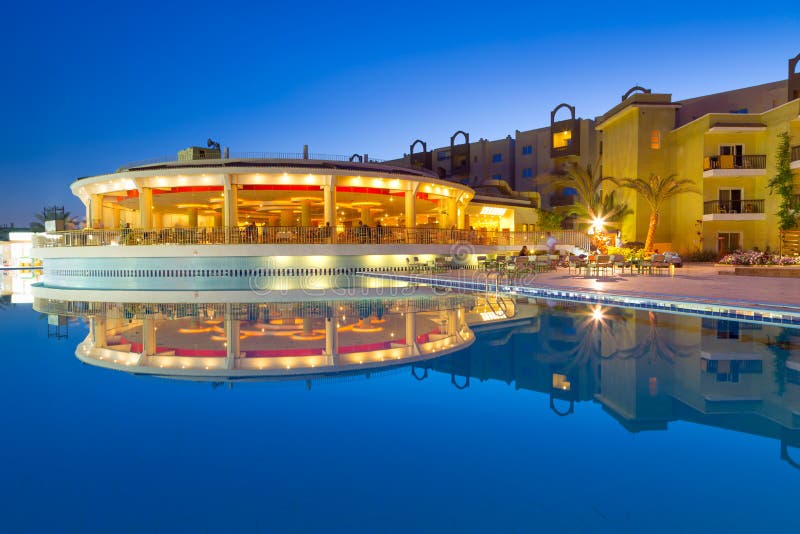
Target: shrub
(702, 255)
(753, 257)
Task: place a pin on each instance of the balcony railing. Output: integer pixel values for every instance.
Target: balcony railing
(748, 161)
(301, 235)
(795, 154)
(733, 206)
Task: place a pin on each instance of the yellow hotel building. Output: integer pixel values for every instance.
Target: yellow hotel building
(730, 156)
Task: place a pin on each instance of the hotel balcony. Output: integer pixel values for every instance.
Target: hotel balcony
(795, 157)
(733, 210)
(735, 165)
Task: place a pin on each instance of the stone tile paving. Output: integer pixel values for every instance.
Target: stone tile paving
(695, 282)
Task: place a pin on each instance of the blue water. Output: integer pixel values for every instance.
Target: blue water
(87, 449)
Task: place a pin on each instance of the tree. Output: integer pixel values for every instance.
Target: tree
(783, 184)
(70, 222)
(592, 203)
(549, 220)
(656, 191)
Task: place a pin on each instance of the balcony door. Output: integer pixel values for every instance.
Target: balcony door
(727, 242)
(730, 200)
(732, 154)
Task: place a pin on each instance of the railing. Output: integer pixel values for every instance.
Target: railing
(748, 161)
(733, 206)
(244, 155)
(795, 154)
(302, 235)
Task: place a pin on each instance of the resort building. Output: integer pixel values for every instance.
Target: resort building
(217, 222)
(726, 143)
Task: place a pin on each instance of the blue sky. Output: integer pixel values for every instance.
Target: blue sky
(89, 86)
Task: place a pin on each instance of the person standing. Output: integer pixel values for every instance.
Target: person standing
(551, 243)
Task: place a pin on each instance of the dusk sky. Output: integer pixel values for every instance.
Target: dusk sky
(89, 86)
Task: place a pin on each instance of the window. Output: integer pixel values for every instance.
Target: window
(655, 140)
(497, 158)
(527, 150)
(443, 155)
(728, 242)
(527, 173)
(497, 177)
(562, 139)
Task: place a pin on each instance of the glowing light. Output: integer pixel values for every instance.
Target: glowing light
(492, 210)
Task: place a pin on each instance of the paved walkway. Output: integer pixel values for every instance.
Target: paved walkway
(696, 282)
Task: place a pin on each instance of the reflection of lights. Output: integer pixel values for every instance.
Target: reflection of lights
(597, 313)
(492, 316)
(561, 382)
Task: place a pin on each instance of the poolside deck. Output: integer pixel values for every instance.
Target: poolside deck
(704, 284)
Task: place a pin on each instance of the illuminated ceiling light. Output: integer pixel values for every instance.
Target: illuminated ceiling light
(492, 210)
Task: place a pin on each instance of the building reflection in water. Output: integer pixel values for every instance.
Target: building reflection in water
(261, 341)
(645, 369)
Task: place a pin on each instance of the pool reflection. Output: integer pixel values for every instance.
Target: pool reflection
(645, 369)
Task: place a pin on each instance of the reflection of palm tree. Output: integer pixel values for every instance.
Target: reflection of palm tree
(781, 348)
(587, 341)
(655, 346)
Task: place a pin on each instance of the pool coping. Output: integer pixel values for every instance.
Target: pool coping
(733, 309)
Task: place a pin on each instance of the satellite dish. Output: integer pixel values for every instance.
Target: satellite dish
(212, 144)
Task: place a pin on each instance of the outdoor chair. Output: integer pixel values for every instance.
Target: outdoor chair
(659, 262)
(603, 263)
(618, 260)
(577, 263)
(542, 262)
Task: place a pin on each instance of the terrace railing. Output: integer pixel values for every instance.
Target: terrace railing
(245, 155)
(744, 161)
(301, 235)
(733, 206)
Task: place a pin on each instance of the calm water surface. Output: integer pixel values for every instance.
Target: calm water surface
(555, 416)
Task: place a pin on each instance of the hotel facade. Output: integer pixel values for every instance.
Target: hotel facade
(725, 143)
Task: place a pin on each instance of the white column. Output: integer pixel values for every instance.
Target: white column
(329, 196)
(411, 333)
(230, 207)
(99, 332)
(145, 208)
(148, 337)
(232, 335)
(305, 213)
(115, 216)
(411, 207)
(331, 340)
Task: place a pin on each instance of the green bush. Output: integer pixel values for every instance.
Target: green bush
(702, 256)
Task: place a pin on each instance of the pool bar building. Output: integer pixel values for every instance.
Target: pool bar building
(218, 223)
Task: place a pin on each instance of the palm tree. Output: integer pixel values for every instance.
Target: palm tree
(593, 204)
(70, 222)
(656, 191)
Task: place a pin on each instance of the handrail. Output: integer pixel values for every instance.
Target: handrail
(301, 235)
(731, 161)
(733, 206)
(244, 155)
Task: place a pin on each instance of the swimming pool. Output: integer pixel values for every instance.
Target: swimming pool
(556, 415)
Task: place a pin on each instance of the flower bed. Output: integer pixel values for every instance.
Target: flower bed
(751, 257)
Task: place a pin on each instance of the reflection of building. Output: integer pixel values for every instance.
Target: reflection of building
(291, 340)
(645, 369)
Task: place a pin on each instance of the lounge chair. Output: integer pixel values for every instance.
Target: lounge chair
(603, 263)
